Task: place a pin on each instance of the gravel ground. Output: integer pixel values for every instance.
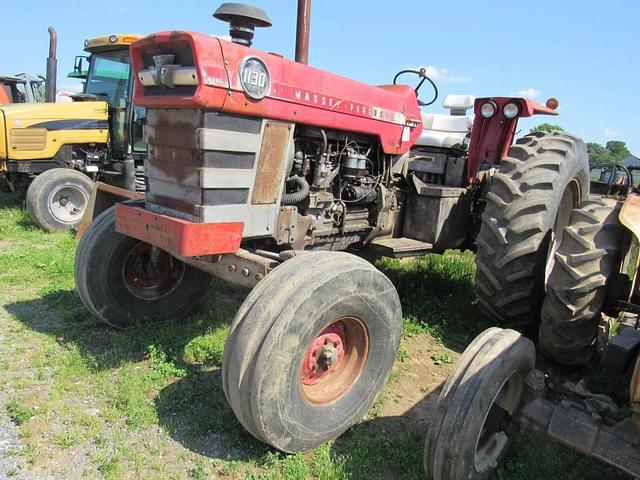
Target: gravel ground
(9, 442)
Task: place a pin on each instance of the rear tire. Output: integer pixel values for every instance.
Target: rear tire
(467, 437)
(58, 198)
(119, 284)
(313, 306)
(530, 198)
(576, 288)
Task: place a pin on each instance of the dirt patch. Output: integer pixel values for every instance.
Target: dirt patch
(410, 394)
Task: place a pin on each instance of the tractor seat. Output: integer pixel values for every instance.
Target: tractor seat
(448, 131)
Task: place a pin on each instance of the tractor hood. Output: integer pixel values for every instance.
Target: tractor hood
(38, 130)
(191, 70)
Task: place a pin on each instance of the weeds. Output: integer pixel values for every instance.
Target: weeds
(149, 399)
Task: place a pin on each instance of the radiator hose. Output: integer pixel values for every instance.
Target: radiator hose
(296, 197)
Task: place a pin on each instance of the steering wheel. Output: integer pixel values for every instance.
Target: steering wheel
(422, 73)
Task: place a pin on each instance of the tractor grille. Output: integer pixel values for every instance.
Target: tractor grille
(210, 167)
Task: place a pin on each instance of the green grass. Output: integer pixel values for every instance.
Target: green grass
(147, 402)
(18, 412)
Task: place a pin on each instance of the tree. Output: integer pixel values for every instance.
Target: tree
(618, 150)
(547, 127)
(614, 153)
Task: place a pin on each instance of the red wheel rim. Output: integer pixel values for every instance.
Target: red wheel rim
(334, 360)
(150, 273)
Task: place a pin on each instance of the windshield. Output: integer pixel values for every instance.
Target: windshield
(109, 76)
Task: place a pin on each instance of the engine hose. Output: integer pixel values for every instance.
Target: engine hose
(298, 196)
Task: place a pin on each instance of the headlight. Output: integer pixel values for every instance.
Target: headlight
(511, 110)
(488, 109)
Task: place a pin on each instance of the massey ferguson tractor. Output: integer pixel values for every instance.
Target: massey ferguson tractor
(274, 175)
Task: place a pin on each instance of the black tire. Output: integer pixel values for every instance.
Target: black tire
(271, 339)
(590, 252)
(529, 200)
(58, 198)
(114, 283)
(474, 406)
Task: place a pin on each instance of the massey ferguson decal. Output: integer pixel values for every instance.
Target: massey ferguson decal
(254, 78)
(297, 95)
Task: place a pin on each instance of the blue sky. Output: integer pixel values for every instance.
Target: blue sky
(585, 53)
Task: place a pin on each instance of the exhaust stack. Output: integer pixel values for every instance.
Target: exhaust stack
(52, 66)
(303, 28)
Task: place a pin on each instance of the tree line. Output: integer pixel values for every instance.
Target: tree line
(614, 152)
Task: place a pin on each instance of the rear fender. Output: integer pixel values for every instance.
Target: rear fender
(629, 216)
(492, 137)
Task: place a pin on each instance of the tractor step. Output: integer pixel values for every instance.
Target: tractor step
(400, 247)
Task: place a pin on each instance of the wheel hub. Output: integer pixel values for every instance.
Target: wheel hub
(324, 355)
(67, 204)
(494, 435)
(334, 360)
(150, 273)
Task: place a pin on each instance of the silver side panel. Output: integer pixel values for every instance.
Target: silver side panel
(209, 167)
(226, 141)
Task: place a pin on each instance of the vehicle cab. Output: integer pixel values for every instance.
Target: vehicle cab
(106, 75)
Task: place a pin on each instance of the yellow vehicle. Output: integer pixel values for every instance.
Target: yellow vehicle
(59, 149)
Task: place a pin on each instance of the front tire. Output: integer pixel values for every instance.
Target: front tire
(469, 434)
(310, 349)
(58, 198)
(530, 198)
(122, 280)
(589, 254)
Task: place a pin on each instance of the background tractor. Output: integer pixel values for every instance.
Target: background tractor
(22, 88)
(265, 171)
(59, 149)
(495, 390)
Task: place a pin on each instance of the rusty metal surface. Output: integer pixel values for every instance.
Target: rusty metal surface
(630, 214)
(303, 29)
(103, 196)
(242, 268)
(275, 144)
(171, 138)
(173, 203)
(292, 228)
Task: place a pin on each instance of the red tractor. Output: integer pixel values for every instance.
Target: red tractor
(264, 171)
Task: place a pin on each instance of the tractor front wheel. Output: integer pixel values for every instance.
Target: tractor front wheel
(529, 201)
(122, 280)
(310, 349)
(470, 430)
(58, 198)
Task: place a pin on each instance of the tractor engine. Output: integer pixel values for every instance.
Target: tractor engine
(334, 189)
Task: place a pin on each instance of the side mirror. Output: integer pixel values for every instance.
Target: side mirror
(77, 65)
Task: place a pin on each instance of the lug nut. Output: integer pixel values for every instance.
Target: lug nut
(245, 272)
(259, 276)
(232, 268)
